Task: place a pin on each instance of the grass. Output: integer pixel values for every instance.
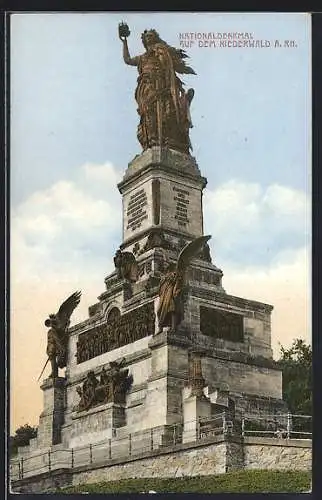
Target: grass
(251, 481)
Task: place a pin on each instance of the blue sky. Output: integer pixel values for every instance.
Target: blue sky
(73, 132)
(72, 91)
(72, 98)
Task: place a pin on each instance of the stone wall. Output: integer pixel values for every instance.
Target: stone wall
(191, 462)
(217, 455)
(242, 377)
(277, 454)
(44, 483)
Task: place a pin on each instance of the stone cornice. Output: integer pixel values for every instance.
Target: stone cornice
(159, 167)
(130, 359)
(142, 234)
(162, 159)
(224, 298)
(286, 443)
(244, 358)
(50, 383)
(95, 409)
(169, 338)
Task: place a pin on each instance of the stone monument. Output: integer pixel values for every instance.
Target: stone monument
(164, 344)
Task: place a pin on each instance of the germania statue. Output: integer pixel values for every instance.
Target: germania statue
(163, 104)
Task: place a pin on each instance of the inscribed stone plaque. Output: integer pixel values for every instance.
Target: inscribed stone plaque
(221, 324)
(137, 209)
(181, 198)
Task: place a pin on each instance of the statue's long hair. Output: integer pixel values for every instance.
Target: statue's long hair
(177, 55)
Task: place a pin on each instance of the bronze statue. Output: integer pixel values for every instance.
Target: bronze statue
(205, 254)
(104, 377)
(172, 283)
(112, 386)
(163, 104)
(170, 288)
(126, 265)
(57, 338)
(87, 392)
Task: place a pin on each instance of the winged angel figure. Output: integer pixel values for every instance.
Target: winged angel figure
(57, 337)
(172, 283)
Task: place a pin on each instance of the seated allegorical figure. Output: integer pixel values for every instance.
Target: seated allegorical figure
(87, 392)
(126, 266)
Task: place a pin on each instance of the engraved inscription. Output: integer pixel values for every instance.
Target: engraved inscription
(181, 197)
(221, 324)
(119, 330)
(136, 211)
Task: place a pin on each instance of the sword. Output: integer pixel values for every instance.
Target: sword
(42, 371)
(159, 114)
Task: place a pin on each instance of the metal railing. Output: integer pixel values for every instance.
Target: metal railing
(279, 426)
(283, 426)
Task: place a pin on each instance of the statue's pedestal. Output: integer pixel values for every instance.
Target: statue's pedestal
(169, 365)
(162, 211)
(162, 200)
(52, 417)
(96, 424)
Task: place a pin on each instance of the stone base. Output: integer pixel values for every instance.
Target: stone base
(238, 366)
(195, 409)
(52, 417)
(217, 456)
(167, 186)
(96, 424)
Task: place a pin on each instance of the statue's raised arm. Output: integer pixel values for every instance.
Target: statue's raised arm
(124, 32)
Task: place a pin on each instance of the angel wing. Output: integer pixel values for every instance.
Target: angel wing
(67, 308)
(190, 251)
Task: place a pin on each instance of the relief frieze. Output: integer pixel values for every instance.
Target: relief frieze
(118, 330)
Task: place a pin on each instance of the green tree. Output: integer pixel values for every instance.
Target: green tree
(296, 363)
(22, 437)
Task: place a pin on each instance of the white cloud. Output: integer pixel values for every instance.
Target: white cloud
(285, 200)
(244, 203)
(286, 285)
(233, 201)
(250, 222)
(62, 204)
(105, 172)
(44, 225)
